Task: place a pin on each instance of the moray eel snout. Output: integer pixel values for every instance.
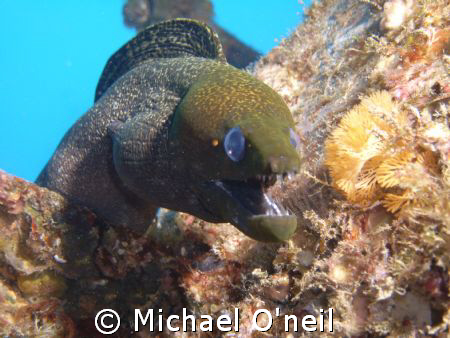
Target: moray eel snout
(238, 136)
(260, 215)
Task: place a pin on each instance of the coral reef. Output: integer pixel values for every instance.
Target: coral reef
(141, 13)
(370, 97)
(369, 85)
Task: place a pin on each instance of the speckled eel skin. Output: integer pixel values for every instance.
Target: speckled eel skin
(175, 126)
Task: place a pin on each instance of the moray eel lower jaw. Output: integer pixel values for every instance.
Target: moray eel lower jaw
(248, 205)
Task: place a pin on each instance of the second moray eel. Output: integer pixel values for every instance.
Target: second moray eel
(175, 126)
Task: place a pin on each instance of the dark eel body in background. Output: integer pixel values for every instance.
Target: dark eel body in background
(175, 126)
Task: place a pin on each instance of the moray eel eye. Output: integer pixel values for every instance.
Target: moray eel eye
(295, 140)
(234, 144)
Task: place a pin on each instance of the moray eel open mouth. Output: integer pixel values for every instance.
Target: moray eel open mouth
(252, 194)
(248, 205)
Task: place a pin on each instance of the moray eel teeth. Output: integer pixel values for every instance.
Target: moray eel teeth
(259, 214)
(252, 194)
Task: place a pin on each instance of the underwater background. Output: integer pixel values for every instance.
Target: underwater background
(54, 51)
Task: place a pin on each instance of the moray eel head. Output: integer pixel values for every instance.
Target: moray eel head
(235, 136)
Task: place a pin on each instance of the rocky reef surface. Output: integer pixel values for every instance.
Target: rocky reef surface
(369, 85)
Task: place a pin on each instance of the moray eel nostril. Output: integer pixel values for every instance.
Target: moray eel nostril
(173, 125)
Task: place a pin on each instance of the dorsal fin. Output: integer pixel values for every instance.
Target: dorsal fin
(167, 39)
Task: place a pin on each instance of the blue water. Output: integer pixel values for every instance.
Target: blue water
(52, 53)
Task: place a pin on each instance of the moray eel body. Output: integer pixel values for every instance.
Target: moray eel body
(175, 126)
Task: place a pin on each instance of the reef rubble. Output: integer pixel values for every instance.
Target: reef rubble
(369, 86)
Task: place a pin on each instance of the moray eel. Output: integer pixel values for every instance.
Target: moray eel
(173, 125)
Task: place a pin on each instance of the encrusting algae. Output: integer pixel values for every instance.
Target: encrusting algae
(369, 86)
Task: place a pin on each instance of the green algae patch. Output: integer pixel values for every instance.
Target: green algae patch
(42, 284)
